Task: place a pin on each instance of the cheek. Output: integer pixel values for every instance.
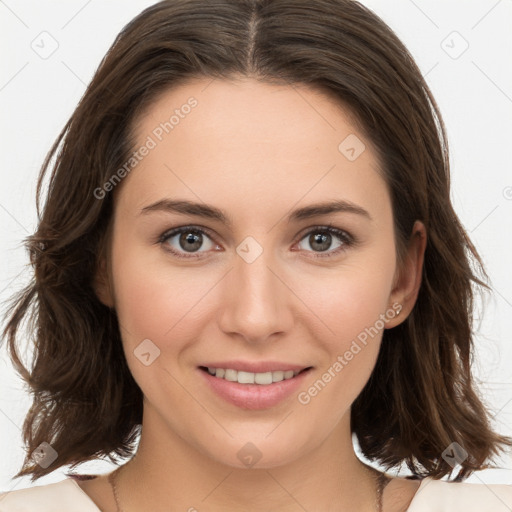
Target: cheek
(354, 315)
(152, 303)
(353, 298)
(145, 305)
(151, 299)
(352, 306)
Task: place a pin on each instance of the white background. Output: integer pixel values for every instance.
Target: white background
(474, 92)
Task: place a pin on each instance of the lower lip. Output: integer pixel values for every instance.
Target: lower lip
(254, 396)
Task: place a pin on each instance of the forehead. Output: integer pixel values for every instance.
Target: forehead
(244, 113)
(231, 141)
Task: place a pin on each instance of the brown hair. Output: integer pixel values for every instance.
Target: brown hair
(420, 396)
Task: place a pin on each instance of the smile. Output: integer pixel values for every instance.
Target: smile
(242, 377)
(254, 390)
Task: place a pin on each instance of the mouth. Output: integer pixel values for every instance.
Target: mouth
(254, 390)
(261, 378)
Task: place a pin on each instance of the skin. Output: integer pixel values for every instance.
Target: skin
(256, 151)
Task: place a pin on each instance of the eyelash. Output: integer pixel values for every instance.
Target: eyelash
(346, 239)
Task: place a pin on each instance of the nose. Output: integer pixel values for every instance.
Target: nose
(256, 301)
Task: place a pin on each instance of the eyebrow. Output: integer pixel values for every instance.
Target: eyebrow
(211, 212)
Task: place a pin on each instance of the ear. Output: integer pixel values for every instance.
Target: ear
(408, 280)
(102, 285)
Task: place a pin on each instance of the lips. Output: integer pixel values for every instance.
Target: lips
(242, 388)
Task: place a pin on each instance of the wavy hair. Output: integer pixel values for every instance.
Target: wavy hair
(421, 396)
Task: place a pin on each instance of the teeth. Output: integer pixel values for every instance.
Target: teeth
(263, 378)
(246, 377)
(230, 375)
(277, 376)
(242, 377)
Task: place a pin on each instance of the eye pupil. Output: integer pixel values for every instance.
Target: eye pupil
(324, 240)
(193, 241)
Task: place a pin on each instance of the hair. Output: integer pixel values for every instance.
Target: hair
(421, 396)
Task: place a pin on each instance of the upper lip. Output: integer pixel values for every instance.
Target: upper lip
(255, 366)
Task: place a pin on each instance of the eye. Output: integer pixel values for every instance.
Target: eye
(185, 242)
(321, 238)
(190, 240)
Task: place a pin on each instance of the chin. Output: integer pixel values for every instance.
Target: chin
(260, 453)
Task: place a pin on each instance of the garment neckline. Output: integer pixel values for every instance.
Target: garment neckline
(422, 485)
(74, 480)
(89, 499)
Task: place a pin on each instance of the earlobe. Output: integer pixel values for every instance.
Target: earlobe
(407, 284)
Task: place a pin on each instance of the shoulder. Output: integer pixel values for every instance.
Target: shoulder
(444, 496)
(65, 496)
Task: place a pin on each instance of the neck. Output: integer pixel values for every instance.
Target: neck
(167, 470)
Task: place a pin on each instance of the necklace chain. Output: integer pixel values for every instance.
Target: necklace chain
(111, 479)
(381, 479)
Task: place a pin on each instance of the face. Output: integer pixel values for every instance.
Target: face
(251, 278)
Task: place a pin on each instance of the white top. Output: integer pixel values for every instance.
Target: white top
(431, 496)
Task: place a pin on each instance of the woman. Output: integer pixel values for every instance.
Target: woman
(247, 255)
